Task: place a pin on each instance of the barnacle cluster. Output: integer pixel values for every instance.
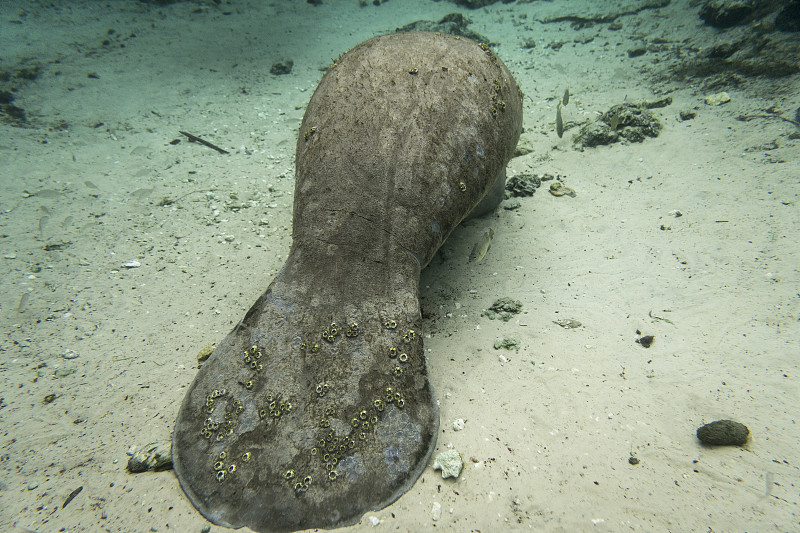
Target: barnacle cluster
(341, 430)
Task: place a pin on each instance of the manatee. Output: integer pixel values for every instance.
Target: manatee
(318, 406)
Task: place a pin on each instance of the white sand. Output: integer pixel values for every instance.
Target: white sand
(548, 432)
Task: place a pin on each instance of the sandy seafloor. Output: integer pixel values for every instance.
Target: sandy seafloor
(549, 428)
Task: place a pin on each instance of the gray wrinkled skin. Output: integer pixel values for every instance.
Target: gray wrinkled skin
(317, 407)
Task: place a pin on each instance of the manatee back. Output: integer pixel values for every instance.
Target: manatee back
(403, 137)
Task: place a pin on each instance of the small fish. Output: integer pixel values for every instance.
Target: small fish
(482, 246)
(565, 100)
(559, 121)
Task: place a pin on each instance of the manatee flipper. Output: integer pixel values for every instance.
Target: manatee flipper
(317, 407)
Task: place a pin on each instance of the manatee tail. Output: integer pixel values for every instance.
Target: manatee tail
(309, 414)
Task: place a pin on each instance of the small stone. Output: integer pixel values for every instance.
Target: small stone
(155, 456)
(718, 98)
(436, 511)
(70, 354)
(523, 185)
(131, 264)
(205, 353)
(458, 424)
(509, 343)
(374, 520)
(723, 433)
(63, 372)
(281, 67)
(449, 462)
(504, 309)
(645, 341)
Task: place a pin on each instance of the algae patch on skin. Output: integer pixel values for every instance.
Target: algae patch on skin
(449, 462)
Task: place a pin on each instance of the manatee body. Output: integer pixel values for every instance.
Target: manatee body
(317, 407)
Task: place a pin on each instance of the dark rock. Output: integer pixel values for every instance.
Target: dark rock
(636, 52)
(723, 50)
(523, 185)
(632, 122)
(282, 67)
(646, 341)
(726, 13)
(789, 17)
(508, 343)
(596, 133)
(453, 24)
(504, 309)
(475, 4)
(507, 305)
(723, 433)
(13, 114)
(28, 73)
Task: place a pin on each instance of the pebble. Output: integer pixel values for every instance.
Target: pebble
(718, 98)
(64, 372)
(374, 520)
(131, 264)
(205, 353)
(449, 462)
(458, 424)
(436, 511)
(70, 354)
(155, 456)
